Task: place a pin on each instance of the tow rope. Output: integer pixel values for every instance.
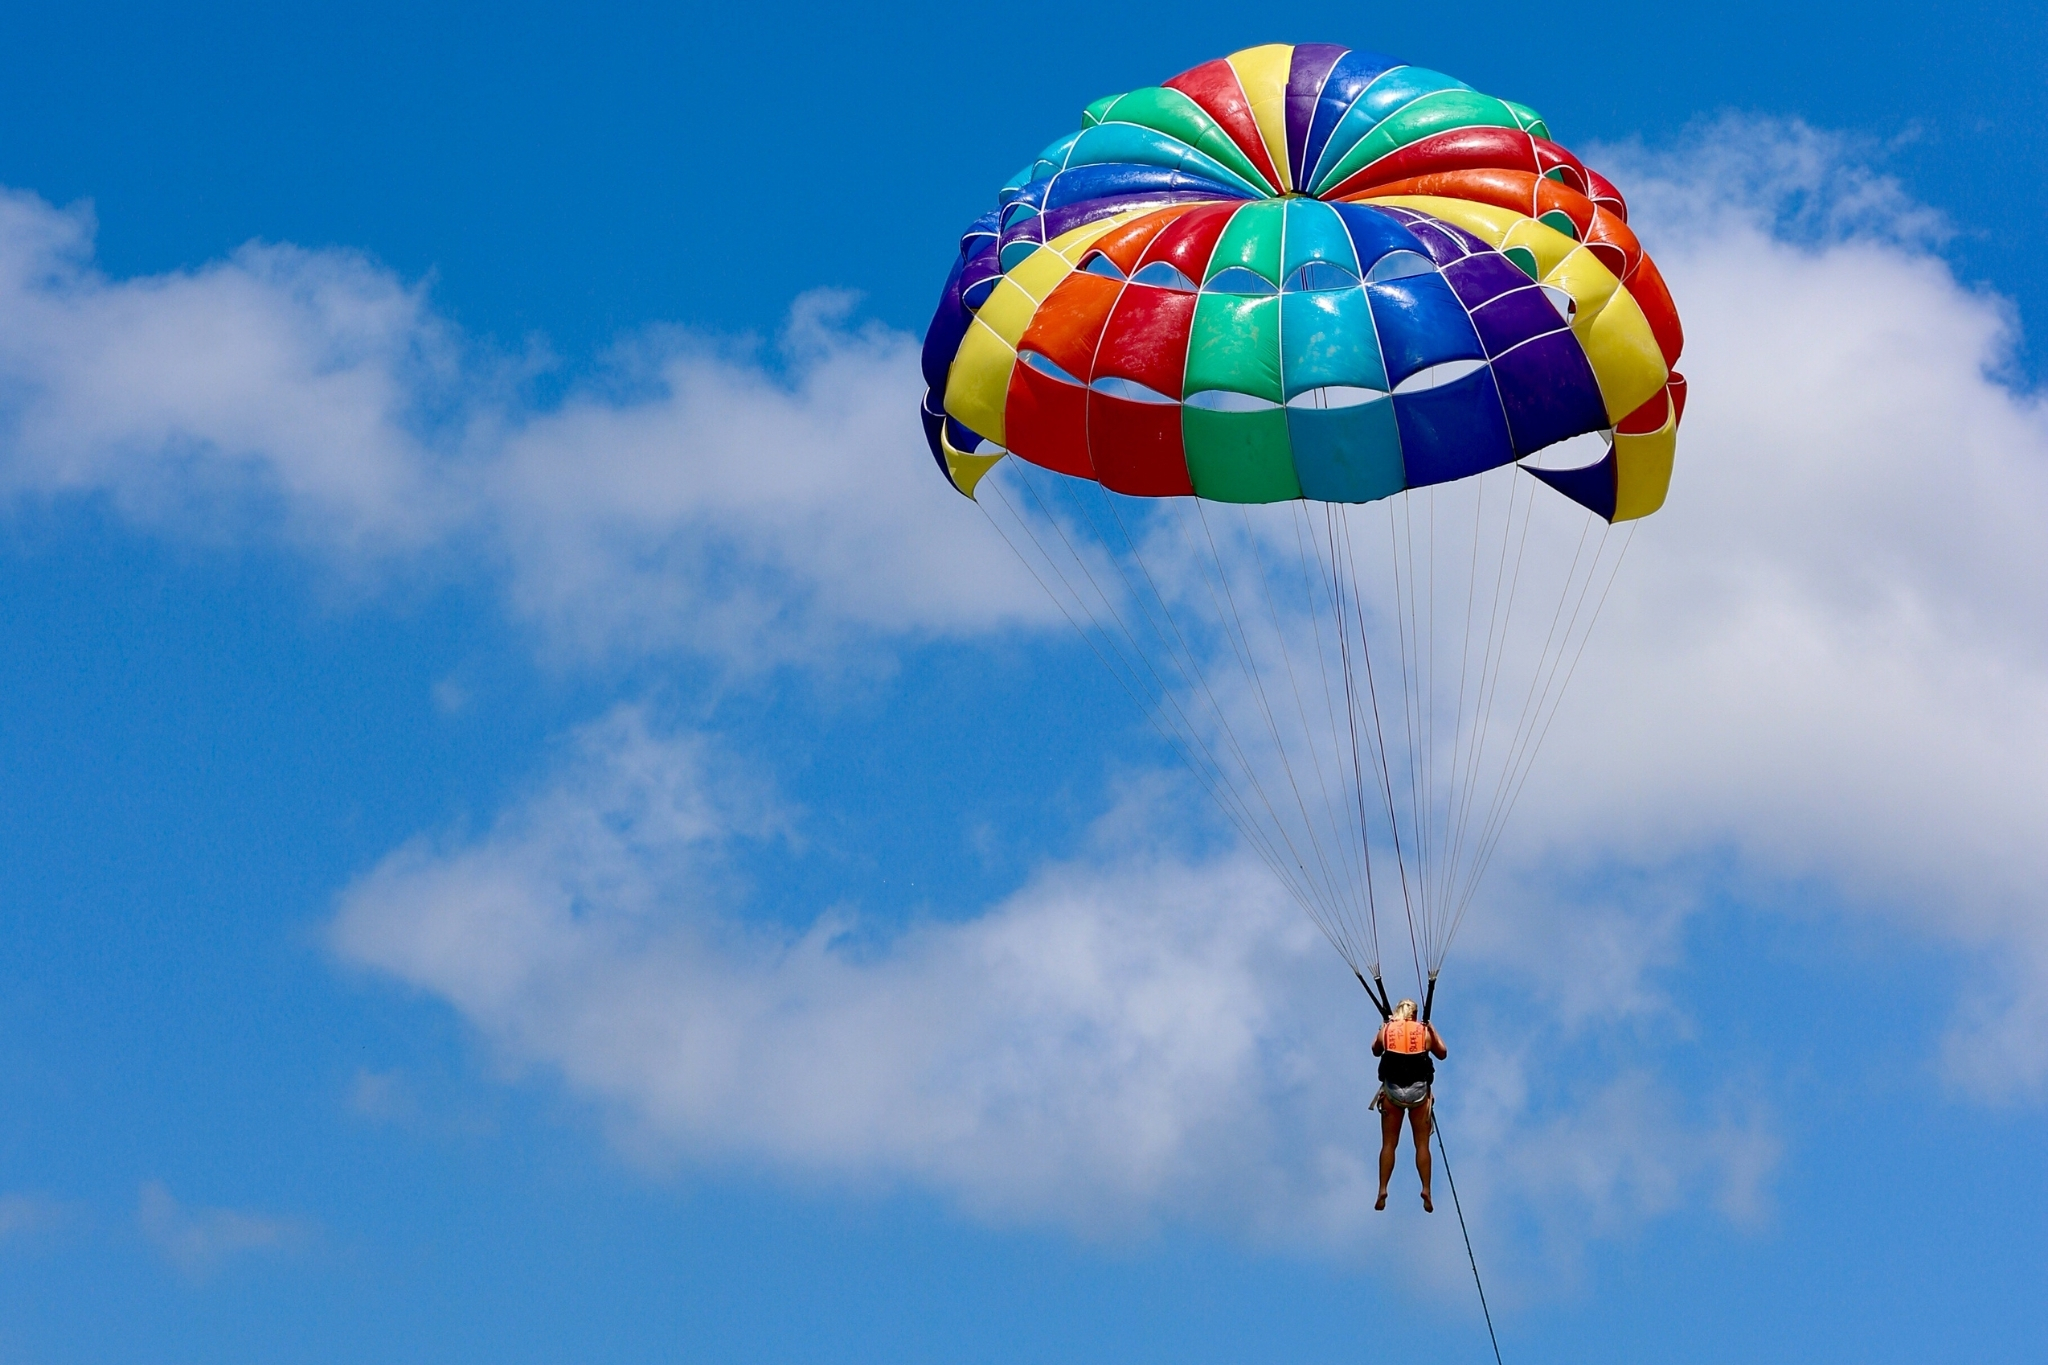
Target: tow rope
(1436, 1125)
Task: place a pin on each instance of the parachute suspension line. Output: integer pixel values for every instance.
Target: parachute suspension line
(1284, 868)
(1405, 633)
(1338, 938)
(1436, 1126)
(1546, 697)
(1463, 733)
(1164, 696)
(1189, 669)
(1432, 908)
(1323, 908)
(1447, 818)
(1126, 583)
(1463, 777)
(1539, 691)
(1355, 835)
(1265, 703)
(1144, 704)
(1380, 738)
(1330, 806)
(1232, 626)
(1531, 708)
(1241, 649)
(1348, 837)
(1536, 681)
(1323, 903)
(1417, 659)
(1218, 792)
(1584, 639)
(1351, 721)
(1379, 734)
(1498, 651)
(1491, 658)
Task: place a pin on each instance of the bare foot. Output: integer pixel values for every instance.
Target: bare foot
(1427, 1207)
(1382, 1201)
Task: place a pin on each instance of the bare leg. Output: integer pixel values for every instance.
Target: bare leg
(1419, 1120)
(1390, 1139)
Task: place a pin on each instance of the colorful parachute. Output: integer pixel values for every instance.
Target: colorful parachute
(1310, 276)
(1212, 285)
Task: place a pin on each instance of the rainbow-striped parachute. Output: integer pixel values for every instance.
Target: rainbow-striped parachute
(1272, 342)
(1302, 271)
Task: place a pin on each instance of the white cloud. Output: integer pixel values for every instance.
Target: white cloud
(289, 381)
(196, 1240)
(1827, 655)
(1824, 667)
(748, 513)
(702, 497)
(1128, 1040)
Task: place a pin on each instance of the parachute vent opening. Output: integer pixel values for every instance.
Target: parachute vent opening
(1114, 386)
(1224, 400)
(1046, 365)
(1576, 452)
(1436, 376)
(1319, 277)
(1335, 396)
(1567, 307)
(1163, 275)
(1238, 280)
(1400, 265)
(1099, 264)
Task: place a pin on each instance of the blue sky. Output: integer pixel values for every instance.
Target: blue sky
(533, 830)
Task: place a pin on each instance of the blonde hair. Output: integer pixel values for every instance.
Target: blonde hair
(1405, 1010)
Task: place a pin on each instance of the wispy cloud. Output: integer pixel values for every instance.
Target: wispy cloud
(196, 1241)
(28, 1216)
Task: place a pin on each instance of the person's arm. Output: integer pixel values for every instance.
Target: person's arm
(1379, 1041)
(1436, 1044)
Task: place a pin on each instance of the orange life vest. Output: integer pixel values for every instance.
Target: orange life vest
(1406, 1036)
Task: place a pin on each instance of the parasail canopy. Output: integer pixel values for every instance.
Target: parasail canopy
(1300, 279)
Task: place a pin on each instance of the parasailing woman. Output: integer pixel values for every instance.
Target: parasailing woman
(1408, 1053)
(1293, 325)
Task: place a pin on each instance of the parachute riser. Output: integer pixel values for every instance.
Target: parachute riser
(1379, 997)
